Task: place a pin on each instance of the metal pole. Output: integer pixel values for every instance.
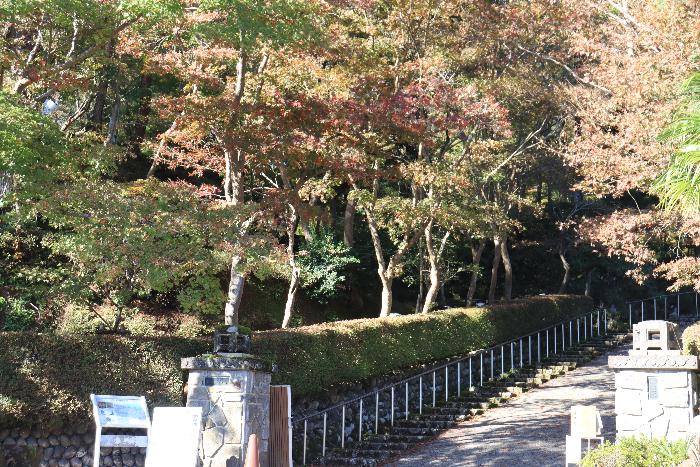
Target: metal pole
(529, 349)
(342, 430)
(447, 382)
(642, 310)
(571, 333)
(578, 330)
(420, 395)
(481, 377)
(406, 400)
(304, 456)
(520, 346)
(655, 308)
(597, 321)
(512, 358)
(563, 338)
(630, 305)
(325, 419)
(392, 406)
(555, 340)
(538, 347)
(605, 321)
(546, 342)
(470, 374)
(491, 364)
(376, 413)
(666, 307)
(459, 380)
(433, 389)
(359, 437)
(585, 328)
(502, 362)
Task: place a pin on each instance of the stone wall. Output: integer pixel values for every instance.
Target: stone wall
(32, 448)
(655, 395)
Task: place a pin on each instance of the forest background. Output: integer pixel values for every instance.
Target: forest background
(164, 163)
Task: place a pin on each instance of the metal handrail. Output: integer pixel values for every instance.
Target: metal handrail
(665, 298)
(588, 332)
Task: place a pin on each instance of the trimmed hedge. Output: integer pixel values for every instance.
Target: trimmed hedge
(46, 379)
(631, 451)
(313, 358)
(691, 339)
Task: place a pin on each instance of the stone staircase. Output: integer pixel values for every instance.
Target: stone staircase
(376, 449)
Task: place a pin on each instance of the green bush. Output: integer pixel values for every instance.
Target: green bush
(313, 358)
(637, 452)
(15, 314)
(46, 379)
(691, 339)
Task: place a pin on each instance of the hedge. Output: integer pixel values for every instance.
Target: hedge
(691, 339)
(45, 379)
(313, 358)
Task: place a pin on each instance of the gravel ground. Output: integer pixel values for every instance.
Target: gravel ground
(528, 431)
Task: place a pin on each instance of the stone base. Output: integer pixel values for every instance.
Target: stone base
(234, 393)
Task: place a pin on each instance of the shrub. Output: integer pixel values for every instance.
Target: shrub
(313, 358)
(637, 452)
(691, 339)
(16, 314)
(47, 378)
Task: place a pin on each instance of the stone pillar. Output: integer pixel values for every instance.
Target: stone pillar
(655, 395)
(234, 393)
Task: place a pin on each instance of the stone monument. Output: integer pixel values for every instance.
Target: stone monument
(655, 386)
(233, 389)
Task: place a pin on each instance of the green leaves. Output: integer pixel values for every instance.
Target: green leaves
(678, 187)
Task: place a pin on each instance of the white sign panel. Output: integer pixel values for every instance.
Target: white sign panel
(174, 437)
(120, 411)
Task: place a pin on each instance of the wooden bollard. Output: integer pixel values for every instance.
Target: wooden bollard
(251, 456)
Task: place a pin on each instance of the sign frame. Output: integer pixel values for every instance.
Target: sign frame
(127, 441)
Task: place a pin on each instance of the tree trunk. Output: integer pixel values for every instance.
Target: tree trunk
(141, 116)
(476, 259)
(114, 116)
(434, 270)
(98, 110)
(565, 264)
(589, 282)
(235, 293)
(494, 268)
(419, 298)
(349, 223)
(234, 160)
(292, 224)
(387, 295)
(508, 279)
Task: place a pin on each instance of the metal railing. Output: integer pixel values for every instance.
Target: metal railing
(667, 307)
(348, 421)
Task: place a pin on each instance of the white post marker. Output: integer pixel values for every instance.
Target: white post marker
(119, 412)
(586, 426)
(174, 437)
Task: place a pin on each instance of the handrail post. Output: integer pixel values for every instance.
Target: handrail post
(529, 349)
(342, 430)
(503, 366)
(546, 342)
(563, 338)
(459, 380)
(481, 373)
(512, 358)
(571, 333)
(492, 378)
(539, 359)
(630, 307)
(597, 321)
(447, 382)
(642, 310)
(433, 388)
(420, 395)
(406, 400)
(325, 420)
(578, 330)
(470, 374)
(655, 308)
(304, 455)
(555, 340)
(520, 346)
(376, 413)
(359, 437)
(392, 406)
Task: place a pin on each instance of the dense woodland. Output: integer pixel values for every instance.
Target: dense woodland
(164, 163)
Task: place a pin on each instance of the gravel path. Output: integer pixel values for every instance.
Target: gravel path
(528, 431)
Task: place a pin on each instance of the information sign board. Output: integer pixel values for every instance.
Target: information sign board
(174, 437)
(119, 412)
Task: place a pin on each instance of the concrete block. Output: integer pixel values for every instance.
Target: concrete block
(673, 380)
(675, 397)
(628, 402)
(631, 380)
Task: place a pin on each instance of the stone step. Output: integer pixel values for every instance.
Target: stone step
(342, 460)
(421, 423)
(385, 445)
(415, 431)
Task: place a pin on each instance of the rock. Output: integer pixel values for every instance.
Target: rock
(24, 433)
(76, 462)
(128, 460)
(9, 442)
(32, 442)
(107, 461)
(81, 452)
(53, 463)
(63, 463)
(64, 440)
(70, 452)
(87, 460)
(48, 453)
(140, 461)
(76, 441)
(21, 442)
(53, 440)
(43, 442)
(58, 452)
